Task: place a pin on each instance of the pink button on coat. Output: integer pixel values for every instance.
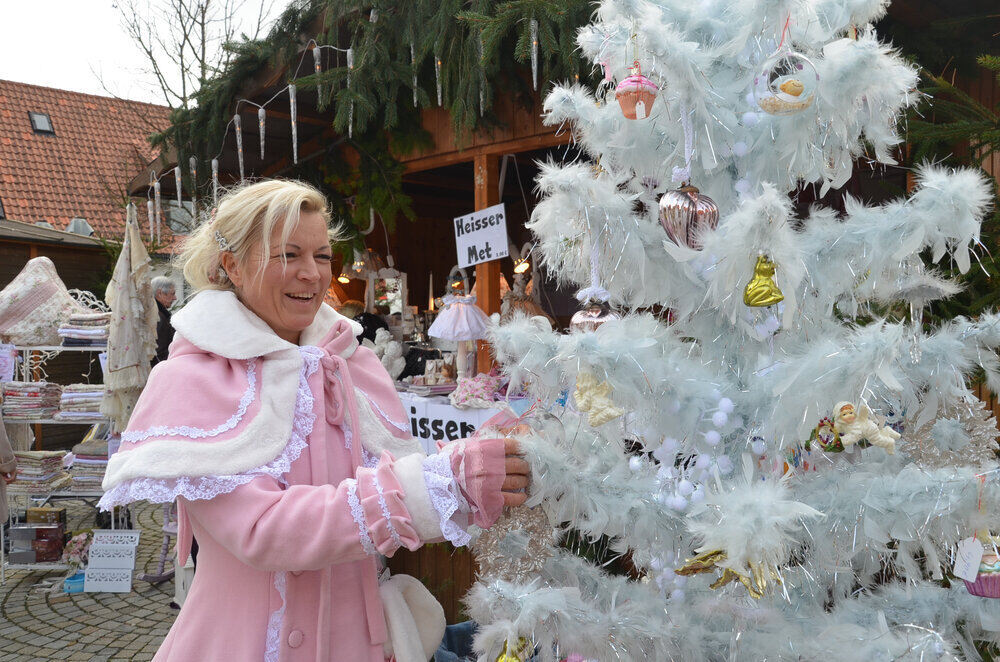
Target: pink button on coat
(287, 563)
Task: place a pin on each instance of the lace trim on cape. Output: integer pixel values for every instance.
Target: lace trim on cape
(193, 488)
(136, 436)
(442, 490)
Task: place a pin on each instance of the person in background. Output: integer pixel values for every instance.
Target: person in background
(165, 293)
(8, 469)
(355, 310)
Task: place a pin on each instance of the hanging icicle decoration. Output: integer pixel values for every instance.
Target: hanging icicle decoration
(149, 215)
(177, 182)
(482, 78)
(239, 141)
(293, 110)
(350, 110)
(158, 206)
(413, 65)
(193, 167)
(317, 68)
(261, 116)
(215, 182)
(534, 54)
(437, 79)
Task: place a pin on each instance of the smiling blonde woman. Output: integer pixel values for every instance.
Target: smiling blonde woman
(290, 457)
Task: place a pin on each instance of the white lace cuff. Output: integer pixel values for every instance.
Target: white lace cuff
(446, 498)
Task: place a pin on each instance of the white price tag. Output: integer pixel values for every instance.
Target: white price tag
(103, 358)
(7, 360)
(967, 559)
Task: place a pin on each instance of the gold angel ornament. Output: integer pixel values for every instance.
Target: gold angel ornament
(762, 291)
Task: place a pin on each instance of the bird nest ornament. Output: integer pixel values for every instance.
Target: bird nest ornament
(787, 84)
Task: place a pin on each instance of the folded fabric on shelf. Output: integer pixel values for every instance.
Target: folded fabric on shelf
(30, 400)
(39, 472)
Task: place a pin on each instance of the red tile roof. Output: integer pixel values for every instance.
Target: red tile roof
(100, 143)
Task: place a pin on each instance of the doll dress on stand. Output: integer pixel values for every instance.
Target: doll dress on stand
(460, 319)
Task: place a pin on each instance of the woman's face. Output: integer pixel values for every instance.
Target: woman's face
(288, 293)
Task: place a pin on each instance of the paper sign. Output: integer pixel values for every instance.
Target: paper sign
(434, 419)
(103, 358)
(481, 236)
(967, 559)
(6, 363)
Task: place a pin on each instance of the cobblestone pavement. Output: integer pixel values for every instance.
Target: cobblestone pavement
(38, 625)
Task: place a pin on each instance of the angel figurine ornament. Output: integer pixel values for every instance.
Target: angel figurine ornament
(855, 426)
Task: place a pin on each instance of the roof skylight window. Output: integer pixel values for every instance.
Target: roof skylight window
(41, 123)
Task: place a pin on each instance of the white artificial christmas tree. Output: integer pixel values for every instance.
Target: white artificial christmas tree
(752, 542)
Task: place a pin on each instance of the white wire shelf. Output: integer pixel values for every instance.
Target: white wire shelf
(58, 348)
(53, 421)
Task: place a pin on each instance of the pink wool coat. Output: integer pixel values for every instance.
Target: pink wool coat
(294, 469)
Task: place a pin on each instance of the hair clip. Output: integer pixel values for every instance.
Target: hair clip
(223, 244)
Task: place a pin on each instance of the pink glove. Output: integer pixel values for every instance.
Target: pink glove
(478, 466)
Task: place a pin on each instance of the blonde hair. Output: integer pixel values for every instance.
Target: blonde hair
(245, 219)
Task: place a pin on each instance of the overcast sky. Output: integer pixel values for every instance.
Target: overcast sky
(74, 44)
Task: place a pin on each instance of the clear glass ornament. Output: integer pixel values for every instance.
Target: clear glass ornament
(787, 83)
(293, 111)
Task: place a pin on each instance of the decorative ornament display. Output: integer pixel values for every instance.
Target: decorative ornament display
(533, 26)
(786, 84)
(636, 94)
(317, 69)
(825, 436)
(482, 78)
(518, 652)
(261, 121)
(857, 425)
(293, 111)
(350, 110)
(158, 207)
(238, 124)
(193, 167)
(762, 291)
(987, 584)
(150, 216)
(593, 315)
(437, 79)
(177, 183)
(756, 582)
(215, 182)
(515, 548)
(595, 397)
(413, 65)
(686, 215)
(928, 447)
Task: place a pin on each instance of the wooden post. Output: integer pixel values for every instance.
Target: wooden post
(487, 176)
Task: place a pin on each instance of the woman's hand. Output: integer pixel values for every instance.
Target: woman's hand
(518, 473)
(9, 478)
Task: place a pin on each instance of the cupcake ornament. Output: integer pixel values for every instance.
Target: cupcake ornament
(987, 583)
(786, 84)
(636, 94)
